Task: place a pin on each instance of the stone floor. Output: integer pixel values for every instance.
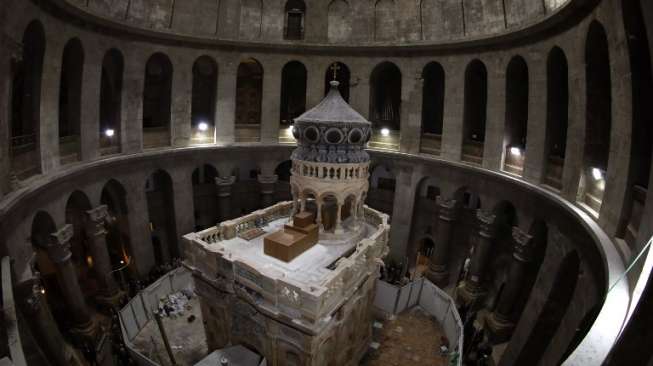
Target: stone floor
(187, 340)
(411, 338)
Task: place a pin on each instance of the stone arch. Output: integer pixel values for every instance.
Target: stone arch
(516, 119)
(27, 75)
(113, 65)
(204, 98)
(343, 76)
(294, 24)
(598, 117)
(384, 21)
(70, 101)
(475, 111)
(251, 19)
(293, 92)
(557, 115)
(339, 21)
(433, 90)
(385, 96)
(114, 196)
(205, 193)
(249, 92)
(159, 192)
(157, 101)
(467, 198)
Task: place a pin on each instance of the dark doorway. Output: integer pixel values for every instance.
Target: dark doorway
(111, 99)
(293, 92)
(70, 101)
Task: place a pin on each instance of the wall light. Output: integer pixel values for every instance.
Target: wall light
(109, 132)
(597, 174)
(385, 132)
(290, 129)
(515, 151)
(203, 126)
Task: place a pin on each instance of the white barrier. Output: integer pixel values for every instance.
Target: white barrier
(395, 300)
(138, 312)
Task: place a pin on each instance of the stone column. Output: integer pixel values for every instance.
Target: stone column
(60, 254)
(535, 160)
(411, 113)
(267, 184)
(140, 234)
(225, 111)
(500, 322)
(35, 309)
(90, 106)
(270, 108)
(402, 212)
(182, 91)
(48, 130)
(97, 240)
(318, 219)
(453, 118)
(438, 271)
(472, 287)
(131, 124)
(224, 196)
(338, 226)
(496, 115)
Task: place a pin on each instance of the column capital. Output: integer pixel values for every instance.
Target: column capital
(267, 179)
(523, 245)
(486, 223)
(225, 181)
(447, 209)
(98, 214)
(59, 248)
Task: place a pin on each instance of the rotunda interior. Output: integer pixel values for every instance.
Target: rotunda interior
(326, 182)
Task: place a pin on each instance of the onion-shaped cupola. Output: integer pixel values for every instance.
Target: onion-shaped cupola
(332, 132)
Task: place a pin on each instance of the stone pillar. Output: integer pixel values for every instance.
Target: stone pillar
(224, 195)
(267, 184)
(496, 115)
(48, 130)
(35, 309)
(500, 322)
(535, 160)
(411, 113)
(338, 226)
(140, 234)
(182, 91)
(184, 208)
(131, 124)
(472, 287)
(60, 254)
(318, 219)
(438, 271)
(90, 106)
(97, 240)
(402, 212)
(453, 118)
(270, 108)
(225, 111)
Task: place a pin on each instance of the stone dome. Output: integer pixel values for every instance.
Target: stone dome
(332, 132)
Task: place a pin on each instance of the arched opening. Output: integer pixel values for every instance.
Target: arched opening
(432, 108)
(424, 219)
(384, 20)
(294, 26)
(161, 212)
(329, 212)
(293, 92)
(283, 172)
(598, 118)
(552, 312)
(70, 102)
(205, 197)
(339, 21)
(557, 116)
(119, 243)
(514, 138)
(342, 76)
(381, 194)
(205, 83)
(157, 101)
(111, 102)
(249, 96)
(642, 133)
(26, 104)
(475, 112)
(385, 105)
(76, 207)
(348, 208)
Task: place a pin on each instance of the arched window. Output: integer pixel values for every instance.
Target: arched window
(161, 212)
(157, 100)
(70, 101)
(205, 82)
(111, 101)
(294, 29)
(385, 98)
(432, 108)
(475, 112)
(598, 117)
(249, 96)
(514, 138)
(557, 108)
(26, 103)
(293, 92)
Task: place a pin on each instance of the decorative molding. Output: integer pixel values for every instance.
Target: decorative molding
(59, 248)
(447, 208)
(523, 245)
(486, 223)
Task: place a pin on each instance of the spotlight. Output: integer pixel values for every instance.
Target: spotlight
(122, 262)
(109, 132)
(43, 290)
(290, 129)
(203, 126)
(385, 132)
(597, 174)
(515, 151)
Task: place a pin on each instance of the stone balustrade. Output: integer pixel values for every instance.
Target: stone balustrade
(329, 171)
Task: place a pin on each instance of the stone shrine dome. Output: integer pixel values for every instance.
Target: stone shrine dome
(332, 132)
